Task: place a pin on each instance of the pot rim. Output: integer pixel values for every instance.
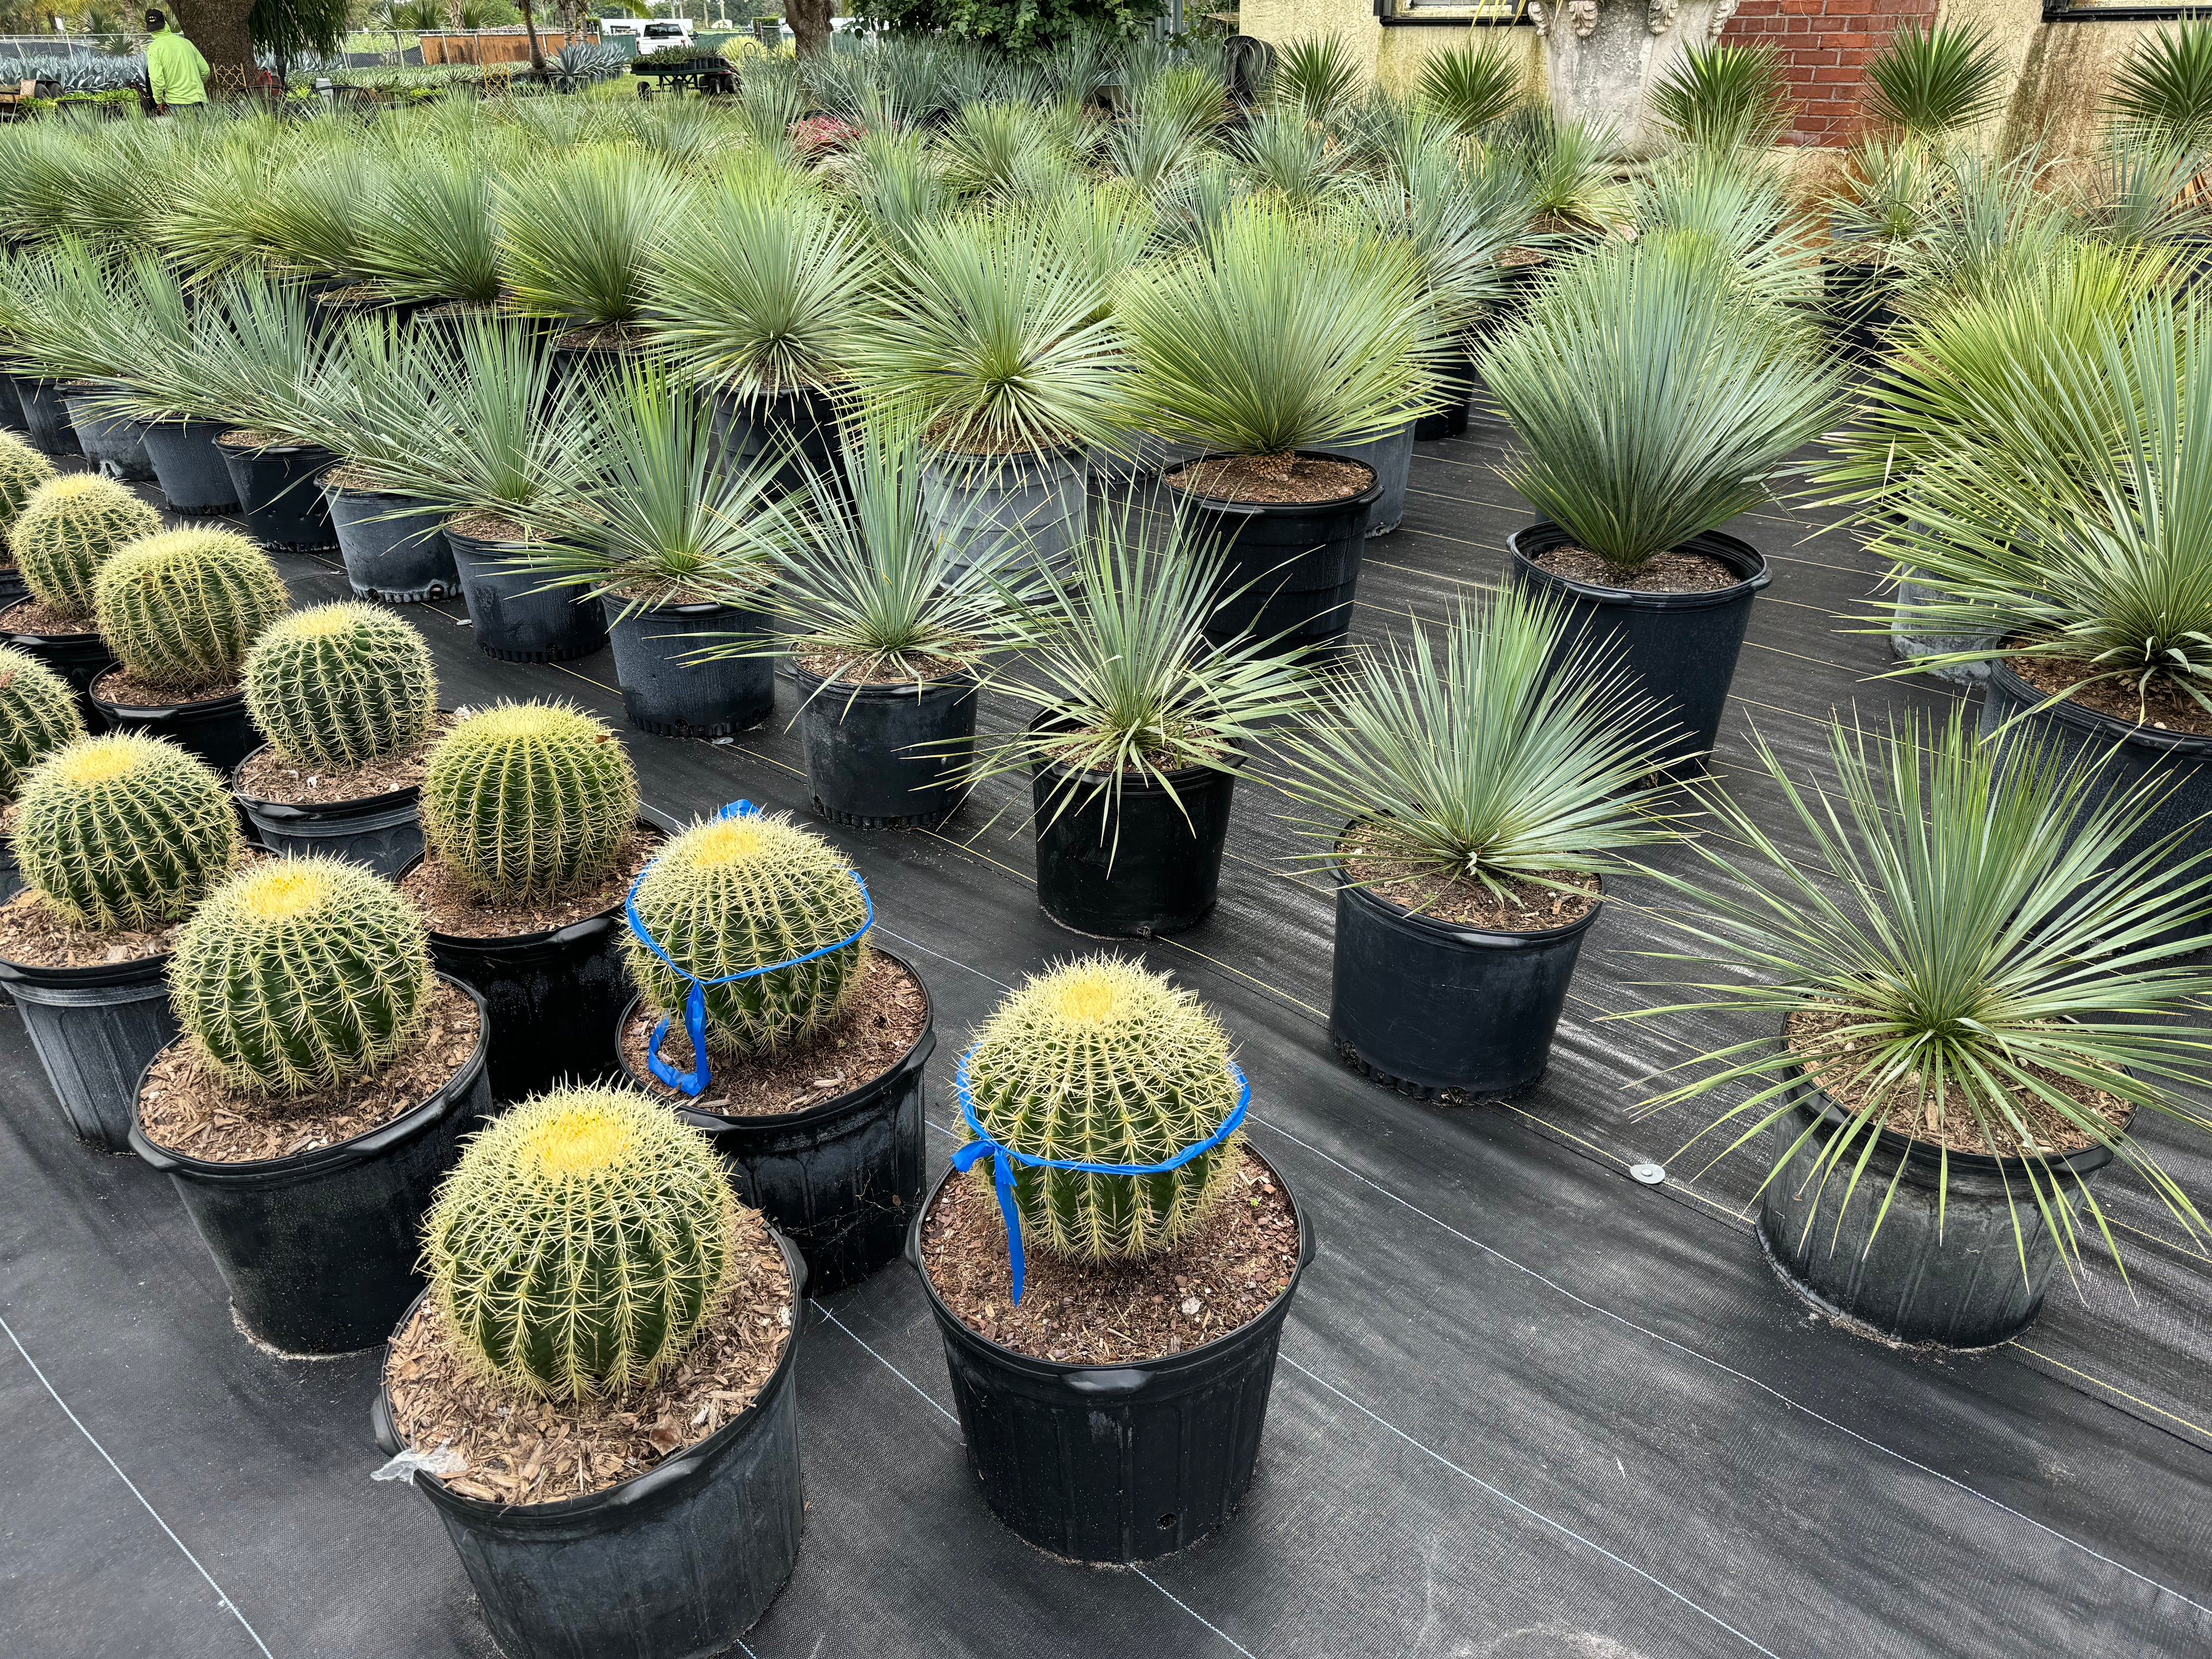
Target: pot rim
(16, 636)
(914, 691)
(1730, 550)
(345, 1153)
(2091, 722)
(323, 483)
(916, 1055)
(1195, 775)
(288, 446)
(141, 711)
(310, 812)
(89, 975)
(567, 933)
(1366, 497)
(1166, 1365)
(679, 1467)
(1451, 932)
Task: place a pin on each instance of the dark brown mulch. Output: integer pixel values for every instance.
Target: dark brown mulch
(2163, 706)
(1811, 1035)
(187, 1106)
(268, 776)
(885, 1018)
(520, 1450)
(603, 337)
(1224, 1274)
(35, 616)
(1517, 256)
(353, 475)
(839, 669)
(126, 691)
(246, 437)
(31, 933)
(1662, 573)
(489, 527)
(447, 908)
(1258, 478)
(1531, 906)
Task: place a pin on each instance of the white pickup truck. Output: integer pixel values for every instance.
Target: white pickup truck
(651, 33)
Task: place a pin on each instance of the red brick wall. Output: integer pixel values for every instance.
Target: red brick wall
(1825, 45)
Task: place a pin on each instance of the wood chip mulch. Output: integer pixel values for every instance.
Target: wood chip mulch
(1811, 1035)
(446, 907)
(839, 669)
(1244, 478)
(1662, 573)
(268, 776)
(32, 934)
(36, 616)
(1530, 907)
(187, 1106)
(2163, 706)
(488, 528)
(125, 689)
(1224, 1274)
(516, 1449)
(885, 1017)
(354, 475)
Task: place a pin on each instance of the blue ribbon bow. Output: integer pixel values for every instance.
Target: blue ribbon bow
(1003, 1159)
(693, 1083)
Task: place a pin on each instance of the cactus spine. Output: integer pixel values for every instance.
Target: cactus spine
(124, 831)
(38, 715)
(301, 973)
(340, 685)
(529, 801)
(69, 529)
(182, 609)
(1101, 1061)
(22, 469)
(736, 893)
(582, 1241)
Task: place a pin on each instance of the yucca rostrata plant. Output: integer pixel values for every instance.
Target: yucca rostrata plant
(124, 831)
(22, 469)
(528, 800)
(339, 686)
(300, 973)
(38, 715)
(1100, 1060)
(181, 608)
(582, 1241)
(746, 891)
(70, 526)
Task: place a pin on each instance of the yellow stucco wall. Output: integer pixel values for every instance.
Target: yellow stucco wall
(1392, 57)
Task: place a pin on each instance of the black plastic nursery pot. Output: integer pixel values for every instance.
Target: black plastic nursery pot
(217, 729)
(189, 466)
(12, 418)
(667, 693)
(1683, 646)
(1948, 1272)
(1430, 1007)
(382, 832)
(517, 618)
(1456, 380)
(1391, 455)
(1856, 295)
(1148, 865)
(677, 1563)
(95, 1030)
(277, 496)
(842, 1178)
(1296, 563)
(884, 757)
(45, 417)
(113, 443)
(80, 658)
(1125, 1462)
(13, 591)
(1033, 504)
(800, 425)
(319, 1250)
(393, 546)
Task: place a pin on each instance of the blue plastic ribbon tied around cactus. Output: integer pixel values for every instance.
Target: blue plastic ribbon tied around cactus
(693, 1083)
(1004, 1158)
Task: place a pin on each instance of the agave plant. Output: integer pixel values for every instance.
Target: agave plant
(1651, 400)
(1490, 751)
(1963, 956)
(1725, 99)
(2163, 88)
(578, 235)
(1926, 83)
(1472, 85)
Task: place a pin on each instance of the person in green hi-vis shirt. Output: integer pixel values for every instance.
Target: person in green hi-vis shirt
(176, 74)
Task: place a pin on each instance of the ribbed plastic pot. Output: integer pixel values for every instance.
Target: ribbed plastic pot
(1429, 1007)
(382, 832)
(1948, 1272)
(883, 756)
(1161, 875)
(13, 591)
(319, 1250)
(115, 445)
(516, 617)
(217, 729)
(1455, 378)
(188, 464)
(1391, 456)
(671, 697)
(11, 878)
(842, 1178)
(1299, 565)
(80, 658)
(1910, 646)
(553, 995)
(751, 428)
(1124, 1463)
(1037, 501)
(45, 417)
(1683, 646)
(677, 1563)
(12, 418)
(277, 495)
(400, 560)
(95, 1029)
